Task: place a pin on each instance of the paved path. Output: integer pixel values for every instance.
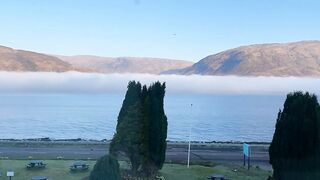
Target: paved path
(175, 153)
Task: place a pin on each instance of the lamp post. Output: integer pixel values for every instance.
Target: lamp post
(189, 147)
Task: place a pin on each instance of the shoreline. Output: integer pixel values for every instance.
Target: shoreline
(176, 152)
(105, 141)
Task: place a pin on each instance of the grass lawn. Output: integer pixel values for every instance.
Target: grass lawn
(197, 172)
(59, 170)
(55, 170)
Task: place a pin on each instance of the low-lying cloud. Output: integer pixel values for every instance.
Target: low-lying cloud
(75, 82)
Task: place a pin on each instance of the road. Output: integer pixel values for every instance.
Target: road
(223, 153)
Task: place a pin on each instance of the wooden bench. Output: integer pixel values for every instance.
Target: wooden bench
(35, 164)
(39, 178)
(216, 177)
(79, 166)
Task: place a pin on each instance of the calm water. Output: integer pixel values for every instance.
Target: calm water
(90, 116)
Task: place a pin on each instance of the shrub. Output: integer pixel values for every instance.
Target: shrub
(106, 168)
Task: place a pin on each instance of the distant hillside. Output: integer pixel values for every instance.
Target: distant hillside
(287, 59)
(125, 64)
(19, 60)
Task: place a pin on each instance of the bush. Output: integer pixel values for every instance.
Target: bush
(106, 168)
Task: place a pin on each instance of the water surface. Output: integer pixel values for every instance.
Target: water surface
(94, 116)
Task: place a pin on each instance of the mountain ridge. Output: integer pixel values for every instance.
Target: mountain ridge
(22, 61)
(124, 64)
(273, 59)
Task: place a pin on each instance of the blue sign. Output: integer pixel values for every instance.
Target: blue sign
(246, 149)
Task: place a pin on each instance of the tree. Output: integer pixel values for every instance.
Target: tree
(294, 150)
(128, 131)
(106, 168)
(154, 128)
(142, 128)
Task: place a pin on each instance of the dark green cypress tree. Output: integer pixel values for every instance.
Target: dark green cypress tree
(294, 151)
(142, 128)
(155, 129)
(158, 125)
(144, 147)
(127, 137)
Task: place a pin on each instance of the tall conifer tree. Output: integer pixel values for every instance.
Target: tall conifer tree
(142, 128)
(155, 131)
(294, 151)
(127, 138)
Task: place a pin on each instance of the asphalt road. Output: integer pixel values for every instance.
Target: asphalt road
(175, 152)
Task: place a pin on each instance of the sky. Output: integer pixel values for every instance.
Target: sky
(177, 29)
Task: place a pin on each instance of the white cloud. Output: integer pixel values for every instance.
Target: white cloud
(75, 82)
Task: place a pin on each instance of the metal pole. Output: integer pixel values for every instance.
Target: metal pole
(189, 147)
(244, 160)
(249, 157)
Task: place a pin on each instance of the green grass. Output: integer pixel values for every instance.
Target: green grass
(55, 170)
(197, 172)
(59, 170)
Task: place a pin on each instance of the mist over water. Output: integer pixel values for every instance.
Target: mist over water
(83, 105)
(76, 82)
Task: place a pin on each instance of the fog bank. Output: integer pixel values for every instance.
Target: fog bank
(76, 82)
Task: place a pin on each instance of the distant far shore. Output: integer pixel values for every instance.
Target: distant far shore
(105, 141)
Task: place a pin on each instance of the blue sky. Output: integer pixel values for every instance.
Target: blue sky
(179, 29)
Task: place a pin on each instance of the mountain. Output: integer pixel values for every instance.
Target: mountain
(125, 64)
(286, 59)
(277, 59)
(19, 60)
(24, 61)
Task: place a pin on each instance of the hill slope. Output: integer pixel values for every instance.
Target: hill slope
(125, 64)
(19, 60)
(287, 59)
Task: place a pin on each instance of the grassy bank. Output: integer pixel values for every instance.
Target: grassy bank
(197, 172)
(59, 169)
(55, 170)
